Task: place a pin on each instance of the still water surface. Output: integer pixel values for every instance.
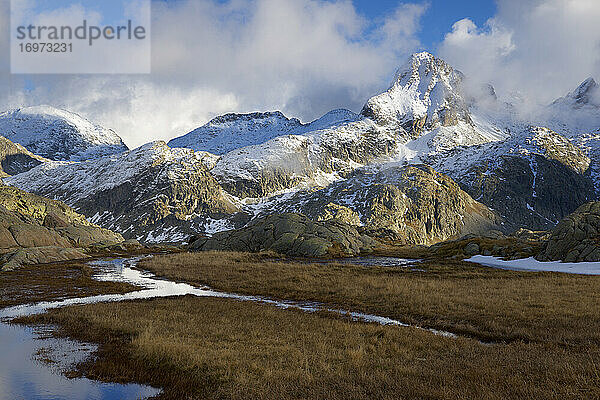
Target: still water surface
(24, 376)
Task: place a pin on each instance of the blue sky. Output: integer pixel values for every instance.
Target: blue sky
(438, 19)
(111, 10)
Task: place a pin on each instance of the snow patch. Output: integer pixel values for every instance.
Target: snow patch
(531, 264)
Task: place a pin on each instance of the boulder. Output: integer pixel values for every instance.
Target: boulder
(576, 238)
(39, 255)
(293, 235)
(471, 249)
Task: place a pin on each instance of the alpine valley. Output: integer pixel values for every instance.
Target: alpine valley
(428, 161)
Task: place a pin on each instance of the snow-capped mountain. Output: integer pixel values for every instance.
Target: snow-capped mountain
(58, 134)
(578, 112)
(153, 193)
(482, 163)
(533, 179)
(313, 159)
(424, 112)
(427, 97)
(232, 131)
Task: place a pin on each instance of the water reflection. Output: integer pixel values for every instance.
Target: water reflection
(22, 376)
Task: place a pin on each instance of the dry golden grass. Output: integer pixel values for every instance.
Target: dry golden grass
(204, 348)
(488, 304)
(53, 282)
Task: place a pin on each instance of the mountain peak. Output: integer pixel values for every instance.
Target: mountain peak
(425, 94)
(231, 131)
(58, 134)
(584, 92)
(419, 67)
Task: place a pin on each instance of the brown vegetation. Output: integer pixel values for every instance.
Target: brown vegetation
(204, 348)
(489, 304)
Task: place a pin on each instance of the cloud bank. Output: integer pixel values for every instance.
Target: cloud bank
(304, 57)
(537, 50)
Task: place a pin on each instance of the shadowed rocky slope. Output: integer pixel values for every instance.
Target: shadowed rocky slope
(37, 230)
(576, 238)
(15, 159)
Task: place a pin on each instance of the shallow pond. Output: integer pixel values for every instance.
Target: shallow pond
(24, 376)
(32, 366)
(372, 261)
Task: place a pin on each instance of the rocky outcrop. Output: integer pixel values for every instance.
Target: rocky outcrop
(153, 193)
(15, 158)
(39, 255)
(418, 204)
(576, 238)
(490, 244)
(309, 160)
(34, 229)
(293, 235)
(533, 180)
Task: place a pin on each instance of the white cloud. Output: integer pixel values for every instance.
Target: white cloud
(303, 57)
(541, 48)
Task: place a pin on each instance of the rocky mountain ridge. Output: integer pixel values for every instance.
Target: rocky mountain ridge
(59, 134)
(153, 193)
(228, 132)
(482, 169)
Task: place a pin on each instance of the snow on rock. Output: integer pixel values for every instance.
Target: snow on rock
(232, 131)
(58, 134)
(423, 113)
(576, 113)
(153, 192)
(291, 161)
(427, 96)
(532, 140)
(532, 179)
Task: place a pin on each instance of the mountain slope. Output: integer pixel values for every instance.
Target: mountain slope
(295, 161)
(152, 193)
(58, 134)
(532, 179)
(417, 204)
(15, 159)
(578, 112)
(232, 131)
